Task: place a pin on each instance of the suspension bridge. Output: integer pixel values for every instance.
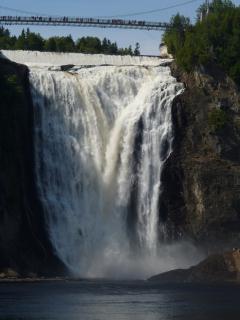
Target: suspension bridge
(13, 16)
(83, 22)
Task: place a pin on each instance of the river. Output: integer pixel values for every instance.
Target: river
(117, 300)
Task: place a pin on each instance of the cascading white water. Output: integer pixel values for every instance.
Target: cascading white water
(43, 59)
(102, 136)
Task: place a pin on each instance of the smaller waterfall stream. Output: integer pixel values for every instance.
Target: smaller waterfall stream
(102, 136)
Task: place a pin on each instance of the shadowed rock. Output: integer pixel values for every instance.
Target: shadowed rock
(215, 268)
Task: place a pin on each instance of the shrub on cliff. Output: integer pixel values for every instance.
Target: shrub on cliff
(214, 37)
(217, 119)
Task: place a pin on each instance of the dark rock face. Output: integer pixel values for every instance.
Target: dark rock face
(201, 196)
(215, 268)
(24, 244)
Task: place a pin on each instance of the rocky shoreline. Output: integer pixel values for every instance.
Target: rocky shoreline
(216, 268)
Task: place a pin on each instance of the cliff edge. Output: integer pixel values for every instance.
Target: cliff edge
(201, 196)
(24, 244)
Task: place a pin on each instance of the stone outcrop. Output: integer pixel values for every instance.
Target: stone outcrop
(201, 196)
(24, 244)
(216, 268)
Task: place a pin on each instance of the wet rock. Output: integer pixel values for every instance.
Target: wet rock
(216, 268)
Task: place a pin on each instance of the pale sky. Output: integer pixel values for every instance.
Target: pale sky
(149, 40)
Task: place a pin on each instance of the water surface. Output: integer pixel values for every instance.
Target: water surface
(115, 300)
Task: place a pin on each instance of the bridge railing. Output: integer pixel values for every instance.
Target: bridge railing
(84, 21)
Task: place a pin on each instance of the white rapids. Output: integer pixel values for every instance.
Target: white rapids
(102, 136)
(50, 59)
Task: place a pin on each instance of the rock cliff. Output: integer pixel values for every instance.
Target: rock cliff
(24, 244)
(201, 196)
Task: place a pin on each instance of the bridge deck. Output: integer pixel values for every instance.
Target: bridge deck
(83, 22)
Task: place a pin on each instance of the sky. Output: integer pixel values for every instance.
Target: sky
(149, 40)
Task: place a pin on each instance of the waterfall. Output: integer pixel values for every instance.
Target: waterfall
(43, 59)
(102, 136)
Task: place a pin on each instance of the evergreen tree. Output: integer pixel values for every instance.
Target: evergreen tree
(214, 39)
(28, 40)
(105, 45)
(137, 49)
(21, 43)
(89, 45)
(65, 44)
(50, 44)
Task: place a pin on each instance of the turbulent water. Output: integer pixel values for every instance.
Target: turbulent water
(37, 58)
(102, 135)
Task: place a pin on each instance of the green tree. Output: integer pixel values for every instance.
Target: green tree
(28, 40)
(50, 44)
(65, 44)
(6, 41)
(114, 48)
(215, 39)
(89, 45)
(34, 41)
(137, 49)
(174, 37)
(21, 43)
